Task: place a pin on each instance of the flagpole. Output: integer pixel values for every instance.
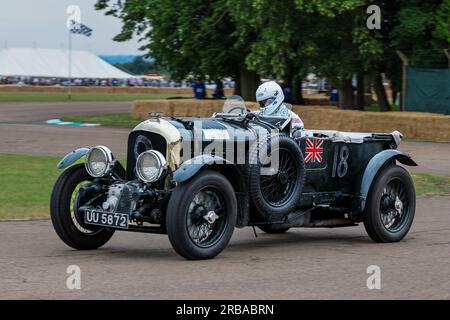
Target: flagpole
(69, 87)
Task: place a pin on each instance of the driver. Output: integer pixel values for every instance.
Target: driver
(270, 97)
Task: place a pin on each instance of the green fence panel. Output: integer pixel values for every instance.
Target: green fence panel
(428, 90)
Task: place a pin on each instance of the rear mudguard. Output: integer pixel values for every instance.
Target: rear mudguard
(72, 157)
(374, 165)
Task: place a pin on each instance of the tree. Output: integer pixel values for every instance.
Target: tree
(192, 37)
(295, 37)
(139, 66)
(420, 29)
(277, 30)
(248, 38)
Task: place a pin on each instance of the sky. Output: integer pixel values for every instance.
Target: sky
(42, 24)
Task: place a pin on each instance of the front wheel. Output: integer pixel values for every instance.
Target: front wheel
(390, 206)
(67, 219)
(201, 216)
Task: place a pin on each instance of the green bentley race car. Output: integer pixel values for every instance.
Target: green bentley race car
(197, 179)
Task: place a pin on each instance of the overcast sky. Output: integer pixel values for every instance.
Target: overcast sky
(24, 23)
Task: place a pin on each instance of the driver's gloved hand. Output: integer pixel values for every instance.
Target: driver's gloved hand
(297, 134)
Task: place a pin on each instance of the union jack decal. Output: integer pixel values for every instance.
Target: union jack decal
(314, 150)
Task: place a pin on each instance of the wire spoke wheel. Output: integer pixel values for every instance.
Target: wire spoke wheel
(275, 175)
(391, 204)
(394, 205)
(68, 221)
(76, 201)
(278, 188)
(201, 215)
(206, 218)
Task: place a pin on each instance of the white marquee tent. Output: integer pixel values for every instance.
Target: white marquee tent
(54, 63)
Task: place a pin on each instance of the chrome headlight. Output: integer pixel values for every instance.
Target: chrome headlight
(150, 165)
(99, 161)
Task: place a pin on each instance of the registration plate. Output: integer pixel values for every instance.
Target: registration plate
(107, 219)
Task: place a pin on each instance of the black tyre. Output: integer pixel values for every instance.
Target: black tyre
(391, 204)
(273, 228)
(201, 216)
(66, 219)
(276, 194)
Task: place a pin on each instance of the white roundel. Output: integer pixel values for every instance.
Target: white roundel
(270, 96)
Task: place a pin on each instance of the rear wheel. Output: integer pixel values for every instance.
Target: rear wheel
(201, 216)
(390, 206)
(67, 220)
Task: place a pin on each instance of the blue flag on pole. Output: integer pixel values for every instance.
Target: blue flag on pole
(79, 28)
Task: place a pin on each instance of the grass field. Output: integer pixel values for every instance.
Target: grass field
(123, 120)
(429, 184)
(62, 97)
(26, 184)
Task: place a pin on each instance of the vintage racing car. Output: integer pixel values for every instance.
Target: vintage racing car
(197, 179)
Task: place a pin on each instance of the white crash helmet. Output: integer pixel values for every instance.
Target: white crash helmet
(270, 96)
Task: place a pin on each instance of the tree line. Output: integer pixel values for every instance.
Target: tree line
(250, 39)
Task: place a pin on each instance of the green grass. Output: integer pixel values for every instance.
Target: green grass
(26, 183)
(80, 97)
(123, 120)
(428, 184)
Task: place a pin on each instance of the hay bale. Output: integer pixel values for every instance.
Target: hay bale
(141, 108)
(194, 108)
(423, 126)
(181, 107)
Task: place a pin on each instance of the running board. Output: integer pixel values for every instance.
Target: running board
(303, 219)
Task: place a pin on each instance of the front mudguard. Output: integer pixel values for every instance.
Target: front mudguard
(190, 167)
(374, 166)
(72, 157)
(77, 154)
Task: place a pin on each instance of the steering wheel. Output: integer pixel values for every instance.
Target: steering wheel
(243, 109)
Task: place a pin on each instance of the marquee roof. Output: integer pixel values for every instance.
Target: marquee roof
(54, 63)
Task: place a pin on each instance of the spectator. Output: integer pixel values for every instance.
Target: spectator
(287, 90)
(199, 89)
(218, 92)
(334, 95)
